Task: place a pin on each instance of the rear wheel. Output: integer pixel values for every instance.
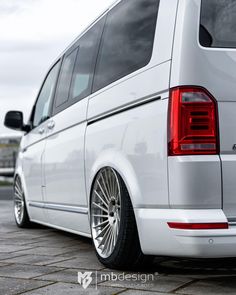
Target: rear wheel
(113, 223)
(20, 210)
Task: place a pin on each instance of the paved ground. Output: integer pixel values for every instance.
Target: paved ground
(5, 193)
(44, 261)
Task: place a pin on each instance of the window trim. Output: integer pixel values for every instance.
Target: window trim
(80, 97)
(66, 104)
(31, 119)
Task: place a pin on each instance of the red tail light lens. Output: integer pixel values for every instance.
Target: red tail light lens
(193, 122)
(198, 226)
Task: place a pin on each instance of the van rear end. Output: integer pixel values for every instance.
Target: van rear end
(201, 220)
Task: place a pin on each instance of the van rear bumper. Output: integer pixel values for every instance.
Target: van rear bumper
(157, 238)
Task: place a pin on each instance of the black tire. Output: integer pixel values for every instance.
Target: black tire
(24, 221)
(127, 254)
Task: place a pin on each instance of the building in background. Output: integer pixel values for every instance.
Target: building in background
(9, 145)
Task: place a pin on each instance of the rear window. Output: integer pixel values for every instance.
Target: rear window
(127, 41)
(218, 23)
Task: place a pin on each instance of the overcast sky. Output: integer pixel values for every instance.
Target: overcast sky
(32, 34)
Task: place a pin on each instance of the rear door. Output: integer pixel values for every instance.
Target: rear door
(66, 199)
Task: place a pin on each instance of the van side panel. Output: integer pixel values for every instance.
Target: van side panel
(134, 141)
(132, 144)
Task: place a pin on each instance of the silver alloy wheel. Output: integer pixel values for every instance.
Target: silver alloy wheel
(106, 211)
(19, 203)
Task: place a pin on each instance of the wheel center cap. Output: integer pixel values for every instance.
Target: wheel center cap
(112, 211)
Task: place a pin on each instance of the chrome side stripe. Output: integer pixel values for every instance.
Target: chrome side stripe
(59, 207)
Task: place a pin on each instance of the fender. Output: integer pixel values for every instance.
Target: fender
(116, 160)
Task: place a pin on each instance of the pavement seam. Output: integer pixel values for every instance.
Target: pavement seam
(122, 291)
(37, 288)
(25, 263)
(185, 285)
(6, 264)
(18, 251)
(32, 278)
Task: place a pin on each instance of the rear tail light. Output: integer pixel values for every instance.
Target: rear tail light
(193, 122)
(198, 226)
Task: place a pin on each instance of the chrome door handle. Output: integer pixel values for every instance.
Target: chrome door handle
(41, 131)
(51, 125)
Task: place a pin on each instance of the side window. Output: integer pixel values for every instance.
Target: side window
(85, 62)
(218, 23)
(62, 92)
(43, 104)
(127, 41)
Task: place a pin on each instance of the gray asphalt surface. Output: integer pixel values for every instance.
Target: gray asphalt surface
(6, 193)
(44, 261)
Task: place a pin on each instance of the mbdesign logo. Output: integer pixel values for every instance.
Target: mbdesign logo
(85, 279)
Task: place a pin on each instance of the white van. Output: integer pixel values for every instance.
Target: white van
(132, 138)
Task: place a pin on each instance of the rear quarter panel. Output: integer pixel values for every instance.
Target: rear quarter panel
(134, 144)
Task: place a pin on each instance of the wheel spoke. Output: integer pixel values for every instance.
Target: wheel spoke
(114, 186)
(18, 201)
(104, 239)
(106, 197)
(17, 191)
(101, 199)
(111, 176)
(17, 197)
(109, 244)
(100, 207)
(108, 178)
(118, 217)
(106, 242)
(112, 240)
(105, 186)
(17, 185)
(103, 231)
(101, 224)
(100, 216)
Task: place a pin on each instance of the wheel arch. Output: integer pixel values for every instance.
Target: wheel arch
(117, 161)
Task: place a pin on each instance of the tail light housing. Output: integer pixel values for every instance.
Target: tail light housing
(193, 122)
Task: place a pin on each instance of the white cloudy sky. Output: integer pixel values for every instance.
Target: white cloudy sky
(32, 34)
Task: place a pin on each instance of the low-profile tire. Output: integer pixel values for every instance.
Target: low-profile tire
(113, 224)
(20, 210)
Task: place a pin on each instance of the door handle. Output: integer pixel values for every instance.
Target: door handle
(51, 125)
(41, 131)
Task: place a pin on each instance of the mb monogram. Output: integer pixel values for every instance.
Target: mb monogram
(85, 279)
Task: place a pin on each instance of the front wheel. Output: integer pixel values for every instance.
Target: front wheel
(20, 210)
(113, 223)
